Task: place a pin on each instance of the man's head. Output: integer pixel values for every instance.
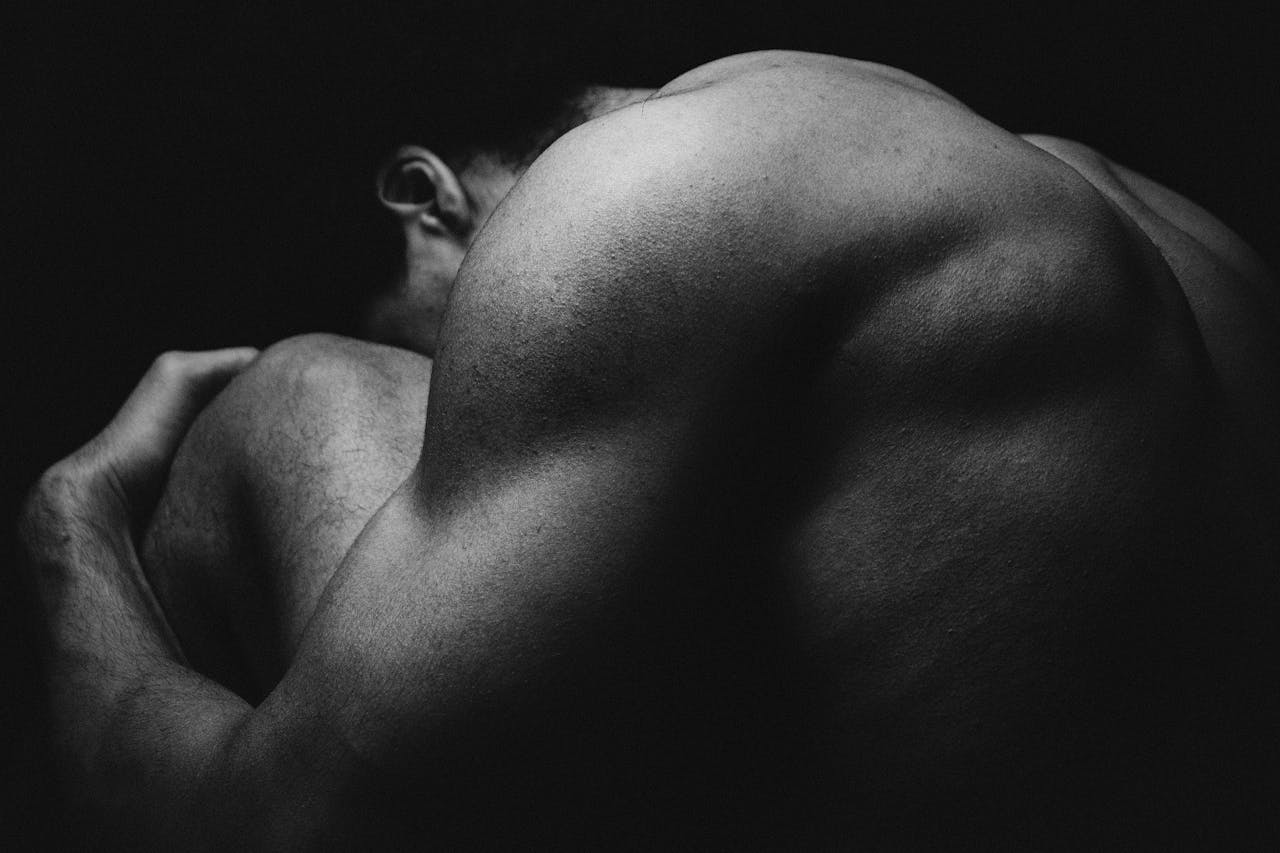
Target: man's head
(438, 212)
(438, 197)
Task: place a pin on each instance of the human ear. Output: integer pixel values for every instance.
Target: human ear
(423, 191)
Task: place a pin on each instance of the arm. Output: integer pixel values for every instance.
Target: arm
(509, 566)
(131, 724)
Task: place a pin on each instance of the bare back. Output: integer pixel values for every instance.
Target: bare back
(1030, 491)
(806, 455)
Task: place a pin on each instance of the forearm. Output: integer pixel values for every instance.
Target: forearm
(137, 734)
(141, 740)
(156, 769)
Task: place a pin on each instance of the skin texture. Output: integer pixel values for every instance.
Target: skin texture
(440, 213)
(806, 460)
(271, 486)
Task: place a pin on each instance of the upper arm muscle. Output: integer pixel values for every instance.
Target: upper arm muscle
(592, 348)
(622, 290)
(626, 326)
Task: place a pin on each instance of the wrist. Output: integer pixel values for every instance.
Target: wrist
(64, 527)
(79, 557)
(77, 497)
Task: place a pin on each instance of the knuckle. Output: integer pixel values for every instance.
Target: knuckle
(171, 364)
(61, 480)
(57, 493)
(81, 487)
(76, 479)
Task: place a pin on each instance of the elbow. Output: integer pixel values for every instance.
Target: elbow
(273, 787)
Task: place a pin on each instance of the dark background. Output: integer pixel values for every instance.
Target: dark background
(171, 181)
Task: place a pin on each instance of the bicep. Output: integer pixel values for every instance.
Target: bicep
(508, 584)
(458, 651)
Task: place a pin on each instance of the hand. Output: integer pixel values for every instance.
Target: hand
(116, 478)
(120, 692)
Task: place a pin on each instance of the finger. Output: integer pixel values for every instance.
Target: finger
(144, 435)
(174, 390)
(178, 385)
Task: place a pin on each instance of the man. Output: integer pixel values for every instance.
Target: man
(807, 461)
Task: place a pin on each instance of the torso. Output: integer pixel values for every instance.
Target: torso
(996, 602)
(1012, 580)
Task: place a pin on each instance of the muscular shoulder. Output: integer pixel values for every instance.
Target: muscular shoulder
(756, 214)
(286, 414)
(766, 163)
(774, 176)
(795, 157)
(292, 412)
(763, 68)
